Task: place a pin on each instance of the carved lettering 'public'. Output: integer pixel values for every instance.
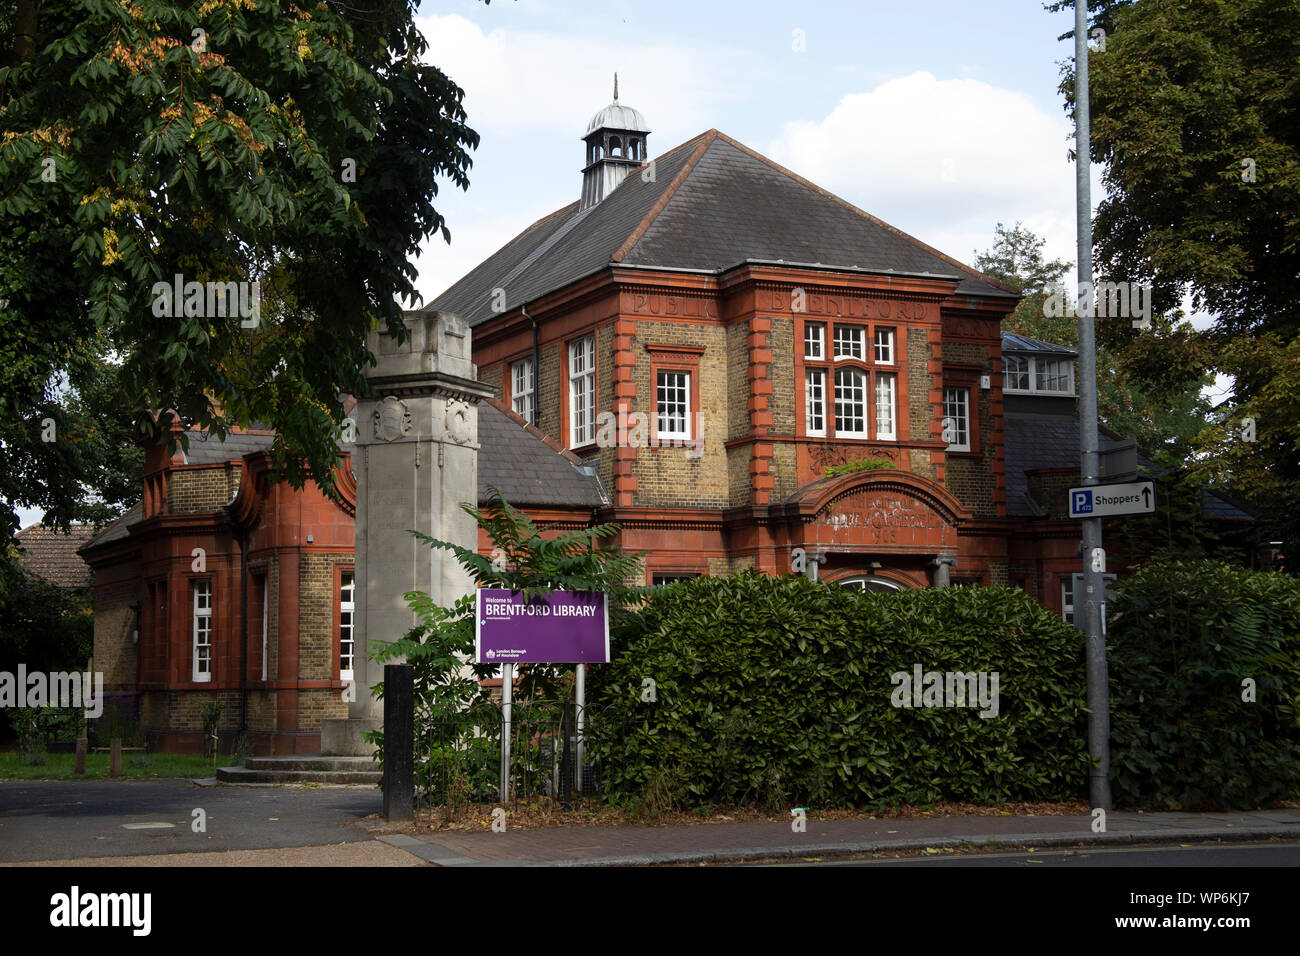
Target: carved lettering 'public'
(680, 306)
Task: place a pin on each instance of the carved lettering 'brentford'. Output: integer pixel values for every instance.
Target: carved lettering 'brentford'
(844, 306)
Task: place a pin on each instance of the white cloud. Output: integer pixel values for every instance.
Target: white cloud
(516, 80)
(530, 95)
(944, 160)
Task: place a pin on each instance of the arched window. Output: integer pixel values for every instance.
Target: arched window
(615, 146)
(870, 584)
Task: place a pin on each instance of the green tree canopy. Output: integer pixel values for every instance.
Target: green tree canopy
(293, 144)
(1148, 384)
(1195, 107)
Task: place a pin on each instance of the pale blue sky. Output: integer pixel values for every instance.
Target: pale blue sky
(942, 118)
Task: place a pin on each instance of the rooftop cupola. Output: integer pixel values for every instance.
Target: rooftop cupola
(616, 145)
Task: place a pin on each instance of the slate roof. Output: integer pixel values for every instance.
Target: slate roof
(1038, 441)
(514, 457)
(206, 449)
(1012, 342)
(53, 556)
(118, 529)
(528, 468)
(713, 204)
(1052, 441)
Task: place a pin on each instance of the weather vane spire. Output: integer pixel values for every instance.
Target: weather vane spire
(615, 87)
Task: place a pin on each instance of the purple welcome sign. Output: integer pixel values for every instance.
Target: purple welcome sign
(563, 627)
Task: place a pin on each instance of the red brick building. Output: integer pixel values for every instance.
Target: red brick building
(739, 368)
(779, 332)
(223, 586)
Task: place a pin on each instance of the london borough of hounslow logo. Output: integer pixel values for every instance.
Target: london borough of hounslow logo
(392, 419)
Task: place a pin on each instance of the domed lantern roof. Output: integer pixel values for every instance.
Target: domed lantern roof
(617, 116)
(616, 144)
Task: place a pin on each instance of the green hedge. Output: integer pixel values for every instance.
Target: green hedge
(1183, 637)
(777, 691)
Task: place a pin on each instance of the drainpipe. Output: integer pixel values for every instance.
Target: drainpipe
(537, 365)
(243, 629)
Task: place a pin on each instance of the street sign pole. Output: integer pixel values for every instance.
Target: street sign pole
(580, 705)
(1093, 556)
(507, 695)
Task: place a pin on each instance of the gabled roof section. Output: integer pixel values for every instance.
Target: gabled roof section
(1014, 342)
(528, 468)
(712, 204)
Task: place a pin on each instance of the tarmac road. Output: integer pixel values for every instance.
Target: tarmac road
(62, 820)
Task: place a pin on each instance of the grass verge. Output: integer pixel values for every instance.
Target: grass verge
(60, 767)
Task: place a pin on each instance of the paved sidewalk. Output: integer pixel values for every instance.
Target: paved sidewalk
(720, 842)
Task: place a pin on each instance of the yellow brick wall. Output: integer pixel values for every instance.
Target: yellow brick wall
(200, 490)
(115, 655)
(670, 476)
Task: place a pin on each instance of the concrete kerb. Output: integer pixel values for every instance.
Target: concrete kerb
(444, 857)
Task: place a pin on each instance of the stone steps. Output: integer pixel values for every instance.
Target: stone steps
(303, 768)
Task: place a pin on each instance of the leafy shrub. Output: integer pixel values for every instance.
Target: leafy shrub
(1183, 636)
(856, 465)
(31, 736)
(117, 722)
(210, 715)
(778, 690)
(457, 726)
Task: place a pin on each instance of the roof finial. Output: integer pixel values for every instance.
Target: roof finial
(615, 87)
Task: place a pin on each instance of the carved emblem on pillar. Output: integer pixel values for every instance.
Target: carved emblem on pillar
(459, 427)
(392, 419)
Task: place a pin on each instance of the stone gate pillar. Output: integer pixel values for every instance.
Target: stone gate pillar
(416, 463)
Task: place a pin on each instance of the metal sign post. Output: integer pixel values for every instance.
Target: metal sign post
(507, 693)
(1098, 678)
(560, 627)
(580, 695)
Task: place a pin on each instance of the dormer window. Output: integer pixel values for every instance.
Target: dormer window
(1038, 374)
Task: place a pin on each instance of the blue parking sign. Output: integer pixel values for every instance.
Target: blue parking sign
(1081, 503)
